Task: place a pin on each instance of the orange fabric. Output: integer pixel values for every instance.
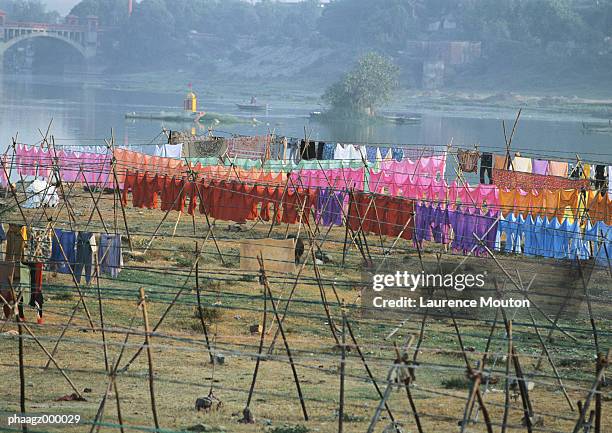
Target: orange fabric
(506, 200)
(598, 206)
(536, 202)
(551, 202)
(500, 162)
(521, 202)
(568, 202)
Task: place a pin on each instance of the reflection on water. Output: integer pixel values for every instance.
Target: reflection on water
(82, 114)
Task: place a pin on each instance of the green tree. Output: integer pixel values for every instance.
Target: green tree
(27, 10)
(365, 88)
(109, 12)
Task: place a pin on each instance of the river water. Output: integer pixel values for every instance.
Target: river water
(85, 114)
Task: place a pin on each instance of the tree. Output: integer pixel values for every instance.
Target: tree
(366, 87)
(27, 10)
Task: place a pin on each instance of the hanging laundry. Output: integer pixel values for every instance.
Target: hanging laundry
(371, 153)
(600, 178)
(308, 150)
(169, 150)
(540, 166)
(328, 151)
(398, 153)
(486, 168)
(468, 160)
(509, 179)
(63, 251)
(38, 246)
(396, 216)
(86, 250)
(36, 290)
(600, 235)
(423, 223)
(110, 259)
(522, 164)
(10, 276)
(320, 150)
(16, 238)
(501, 162)
(558, 168)
(329, 207)
(174, 193)
(509, 227)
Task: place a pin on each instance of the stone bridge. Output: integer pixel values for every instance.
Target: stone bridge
(82, 35)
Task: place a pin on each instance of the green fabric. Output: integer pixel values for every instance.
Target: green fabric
(285, 166)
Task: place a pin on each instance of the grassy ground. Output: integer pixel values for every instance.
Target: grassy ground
(233, 301)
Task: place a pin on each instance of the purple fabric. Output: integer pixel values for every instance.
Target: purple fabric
(440, 225)
(423, 220)
(329, 210)
(539, 166)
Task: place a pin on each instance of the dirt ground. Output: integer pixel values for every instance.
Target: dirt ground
(233, 301)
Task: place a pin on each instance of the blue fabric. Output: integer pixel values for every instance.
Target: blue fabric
(577, 245)
(398, 153)
(371, 153)
(539, 235)
(601, 236)
(66, 241)
(2, 234)
(328, 151)
(561, 243)
(109, 255)
(510, 227)
(528, 230)
(548, 248)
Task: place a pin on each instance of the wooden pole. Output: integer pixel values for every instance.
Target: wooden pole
(342, 369)
(22, 407)
(280, 327)
(145, 317)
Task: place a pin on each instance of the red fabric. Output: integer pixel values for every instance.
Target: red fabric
(204, 191)
(173, 194)
(293, 201)
(361, 213)
(509, 179)
(128, 184)
(398, 213)
(384, 215)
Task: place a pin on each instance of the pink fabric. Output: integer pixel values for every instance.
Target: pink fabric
(433, 166)
(339, 178)
(34, 161)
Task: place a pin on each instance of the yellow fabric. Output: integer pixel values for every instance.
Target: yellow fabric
(586, 171)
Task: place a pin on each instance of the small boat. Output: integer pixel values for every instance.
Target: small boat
(403, 119)
(598, 128)
(252, 107)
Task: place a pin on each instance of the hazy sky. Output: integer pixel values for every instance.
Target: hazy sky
(62, 6)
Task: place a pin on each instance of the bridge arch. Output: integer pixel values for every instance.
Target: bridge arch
(74, 44)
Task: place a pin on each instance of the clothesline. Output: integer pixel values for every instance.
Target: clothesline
(422, 186)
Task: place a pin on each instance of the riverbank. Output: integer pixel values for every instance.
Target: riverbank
(306, 95)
